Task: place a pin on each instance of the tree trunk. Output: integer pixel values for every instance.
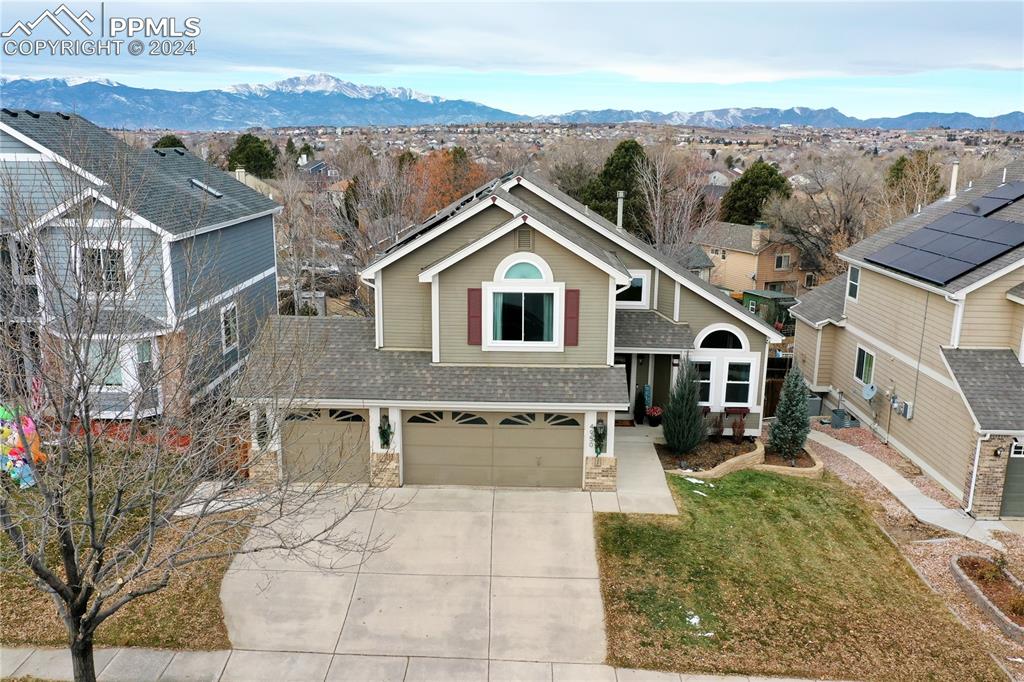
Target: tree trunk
(81, 659)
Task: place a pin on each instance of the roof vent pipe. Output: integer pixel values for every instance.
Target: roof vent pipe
(953, 178)
(621, 197)
(1004, 175)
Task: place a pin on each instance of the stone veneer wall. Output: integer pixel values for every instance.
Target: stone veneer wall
(600, 474)
(384, 470)
(988, 486)
(262, 466)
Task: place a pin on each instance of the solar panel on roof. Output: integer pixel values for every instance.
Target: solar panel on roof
(946, 244)
(980, 228)
(982, 206)
(919, 239)
(1011, 191)
(979, 251)
(949, 222)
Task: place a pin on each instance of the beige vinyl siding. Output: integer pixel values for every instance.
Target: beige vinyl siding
(989, 319)
(804, 347)
(941, 432)
(826, 354)
(1017, 332)
(405, 300)
(907, 318)
(734, 272)
(666, 295)
(566, 267)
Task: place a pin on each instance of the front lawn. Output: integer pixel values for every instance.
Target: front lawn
(772, 575)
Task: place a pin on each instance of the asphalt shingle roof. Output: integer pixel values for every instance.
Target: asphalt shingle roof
(1013, 213)
(153, 183)
(823, 303)
(648, 329)
(333, 358)
(732, 236)
(992, 382)
(1017, 291)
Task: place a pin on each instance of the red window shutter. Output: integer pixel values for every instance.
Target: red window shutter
(572, 317)
(474, 304)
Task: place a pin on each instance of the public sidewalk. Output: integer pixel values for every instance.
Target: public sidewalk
(151, 665)
(920, 505)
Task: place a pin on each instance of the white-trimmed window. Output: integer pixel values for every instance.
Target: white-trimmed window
(104, 366)
(738, 376)
(782, 261)
(752, 305)
(103, 270)
(864, 369)
(810, 280)
(229, 327)
(638, 294)
(523, 306)
(853, 283)
(1017, 448)
(703, 370)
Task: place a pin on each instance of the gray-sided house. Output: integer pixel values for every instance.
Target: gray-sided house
(923, 337)
(172, 249)
(510, 330)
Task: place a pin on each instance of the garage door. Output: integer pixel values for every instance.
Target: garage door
(491, 448)
(329, 445)
(1013, 487)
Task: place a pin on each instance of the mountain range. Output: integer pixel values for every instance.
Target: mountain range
(322, 99)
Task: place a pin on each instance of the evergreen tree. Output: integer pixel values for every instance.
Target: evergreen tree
(307, 150)
(253, 154)
(168, 141)
(290, 150)
(788, 433)
(746, 197)
(683, 421)
(619, 173)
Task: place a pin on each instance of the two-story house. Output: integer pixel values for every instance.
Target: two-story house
(923, 339)
(141, 255)
(509, 332)
(754, 257)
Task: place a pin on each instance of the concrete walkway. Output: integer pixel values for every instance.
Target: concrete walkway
(237, 665)
(920, 505)
(643, 488)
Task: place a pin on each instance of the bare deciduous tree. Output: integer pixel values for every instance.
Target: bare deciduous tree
(677, 211)
(134, 470)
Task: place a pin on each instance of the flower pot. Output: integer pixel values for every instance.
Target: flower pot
(654, 421)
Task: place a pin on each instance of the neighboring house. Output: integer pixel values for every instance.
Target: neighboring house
(192, 256)
(772, 307)
(719, 179)
(756, 257)
(316, 167)
(511, 329)
(931, 314)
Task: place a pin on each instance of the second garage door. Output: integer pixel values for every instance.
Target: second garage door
(326, 446)
(489, 448)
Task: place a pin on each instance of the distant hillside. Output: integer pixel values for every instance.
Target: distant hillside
(322, 99)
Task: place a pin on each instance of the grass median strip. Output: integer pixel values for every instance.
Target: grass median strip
(770, 575)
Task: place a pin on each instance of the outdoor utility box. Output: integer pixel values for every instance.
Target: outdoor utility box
(840, 419)
(813, 404)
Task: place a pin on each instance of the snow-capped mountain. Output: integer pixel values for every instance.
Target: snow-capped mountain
(322, 99)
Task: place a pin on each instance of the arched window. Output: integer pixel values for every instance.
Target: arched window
(722, 338)
(524, 270)
(523, 265)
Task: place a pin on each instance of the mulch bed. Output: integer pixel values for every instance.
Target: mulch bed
(707, 455)
(803, 460)
(992, 581)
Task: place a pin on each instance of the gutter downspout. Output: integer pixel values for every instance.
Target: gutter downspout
(974, 472)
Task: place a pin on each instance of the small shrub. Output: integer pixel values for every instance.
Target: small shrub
(739, 427)
(989, 572)
(999, 561)
(1016, 605)
(717, 427)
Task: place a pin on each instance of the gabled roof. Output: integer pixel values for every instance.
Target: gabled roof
(732, 236)
(966, 195)
(333, 358)
(158, 184)
(1016, 294)
(991, 381)
(822, 304)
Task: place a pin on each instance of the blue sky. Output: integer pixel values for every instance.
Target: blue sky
(866, 59)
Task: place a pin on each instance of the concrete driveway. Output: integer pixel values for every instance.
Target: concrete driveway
(467, 575)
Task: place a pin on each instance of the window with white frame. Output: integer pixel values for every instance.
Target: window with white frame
(523, 307)
(703, 372)
(229, 327)
(638, 293)
(103, 270)
(810, 280)
(853, 283)
(1017, 448)
(737, 383)
(782, 261)
(752, 305)
(865, 368)
(104, 365)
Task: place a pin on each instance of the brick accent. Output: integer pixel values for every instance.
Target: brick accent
(262, 467)
(988, 486)
(384, 470)
(600, 474)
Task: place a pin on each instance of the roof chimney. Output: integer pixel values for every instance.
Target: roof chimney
(621, 197)
(952, 179)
